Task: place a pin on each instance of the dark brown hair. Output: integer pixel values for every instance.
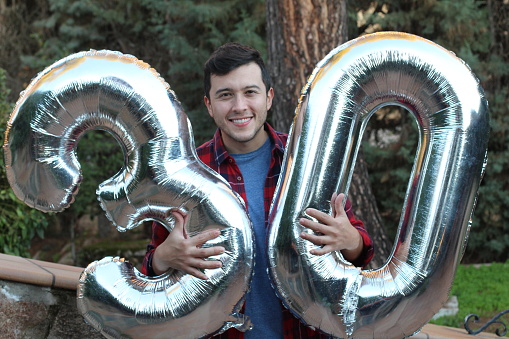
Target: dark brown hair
(229, 57)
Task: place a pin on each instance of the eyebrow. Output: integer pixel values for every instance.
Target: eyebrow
(227, 89)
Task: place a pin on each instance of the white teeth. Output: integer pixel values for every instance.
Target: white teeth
(240, 121)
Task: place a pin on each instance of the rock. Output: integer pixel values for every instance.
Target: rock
(450, 308)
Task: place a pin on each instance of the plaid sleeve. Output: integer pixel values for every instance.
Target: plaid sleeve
(368, 250)
(159, 234)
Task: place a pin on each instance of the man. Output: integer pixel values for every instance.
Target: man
(248, 153)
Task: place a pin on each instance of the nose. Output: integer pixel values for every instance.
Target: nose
(240, 104)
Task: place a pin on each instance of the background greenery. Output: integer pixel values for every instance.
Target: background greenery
(175, 37)
(481, 290)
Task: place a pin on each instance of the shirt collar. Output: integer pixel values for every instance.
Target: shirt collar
(221, 154)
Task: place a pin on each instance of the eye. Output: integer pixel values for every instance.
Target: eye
(224, 95)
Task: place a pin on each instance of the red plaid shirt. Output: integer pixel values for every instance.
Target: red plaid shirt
(214, 154)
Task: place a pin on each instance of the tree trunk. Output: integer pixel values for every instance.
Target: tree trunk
(499, 10)
(300, 33)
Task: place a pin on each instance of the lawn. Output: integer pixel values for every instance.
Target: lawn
(481, 290)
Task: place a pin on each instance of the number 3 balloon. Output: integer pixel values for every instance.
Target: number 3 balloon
(120, 94)
(345, 89)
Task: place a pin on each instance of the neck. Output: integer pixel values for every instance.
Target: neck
(239, 147)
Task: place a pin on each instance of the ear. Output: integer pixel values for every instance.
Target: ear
(270, 96)
(209, 106)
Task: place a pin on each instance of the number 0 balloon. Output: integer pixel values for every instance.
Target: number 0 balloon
(120, 94)
(345, 89)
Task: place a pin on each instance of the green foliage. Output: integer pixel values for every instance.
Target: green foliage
(480, 290)
(18, 222)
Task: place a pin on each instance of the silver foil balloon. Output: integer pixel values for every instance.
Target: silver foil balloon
(345, 89)
(124, 96)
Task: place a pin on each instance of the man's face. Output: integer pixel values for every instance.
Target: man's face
(238, 104)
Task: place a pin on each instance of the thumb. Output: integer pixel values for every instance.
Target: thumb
(333, 203)
(178, 223)
(339, 205)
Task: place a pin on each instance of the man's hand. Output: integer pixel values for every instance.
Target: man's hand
(336, 231)
(185, 253)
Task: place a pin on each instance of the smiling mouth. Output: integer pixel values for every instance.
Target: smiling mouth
(240, 121)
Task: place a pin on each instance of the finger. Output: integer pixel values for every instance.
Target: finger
(197, 273)
(200, 264)
(339, 205)
(313, 225)
(321, 251)
(208, 252)
(333, 202)
(204, 264)
(315, 239)
(179, 222)
(321, 217)
(205, 236)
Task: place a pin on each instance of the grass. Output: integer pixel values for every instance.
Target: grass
(481, 290)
